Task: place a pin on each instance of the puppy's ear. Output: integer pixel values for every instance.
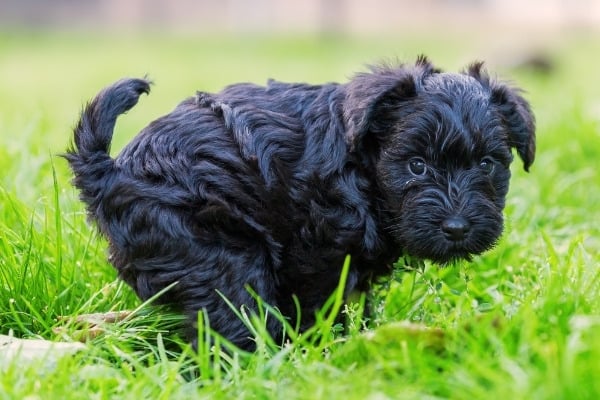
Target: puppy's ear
(372, 97)
(519, 119)
(516, 113)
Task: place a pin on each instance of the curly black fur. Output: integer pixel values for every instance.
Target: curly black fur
(272, 187)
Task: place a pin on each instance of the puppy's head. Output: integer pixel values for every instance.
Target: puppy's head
(441, 145)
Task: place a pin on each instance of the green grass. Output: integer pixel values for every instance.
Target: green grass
(520, 322)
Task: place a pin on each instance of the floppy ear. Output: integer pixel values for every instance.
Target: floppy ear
(516, 113)
(519, 119)
(372, 97)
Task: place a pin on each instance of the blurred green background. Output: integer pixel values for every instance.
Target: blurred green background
(55, 55)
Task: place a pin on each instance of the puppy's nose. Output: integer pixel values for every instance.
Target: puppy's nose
(455, 228)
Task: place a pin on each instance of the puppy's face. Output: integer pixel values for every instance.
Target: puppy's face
(443, 157)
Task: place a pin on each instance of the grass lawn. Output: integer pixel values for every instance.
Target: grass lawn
(520, 322)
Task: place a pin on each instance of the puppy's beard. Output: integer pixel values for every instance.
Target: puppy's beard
(444, 252)
(420, 235)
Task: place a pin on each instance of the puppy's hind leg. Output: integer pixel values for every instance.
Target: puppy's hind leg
(219, 287)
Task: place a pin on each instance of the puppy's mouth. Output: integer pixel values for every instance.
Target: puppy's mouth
(455, 252)
(444, 250)
(450, 256)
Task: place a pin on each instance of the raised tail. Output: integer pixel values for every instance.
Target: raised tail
(89, 156)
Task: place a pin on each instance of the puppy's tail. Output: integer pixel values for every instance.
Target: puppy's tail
(89, 156)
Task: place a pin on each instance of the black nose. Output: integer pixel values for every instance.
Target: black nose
(455, 228)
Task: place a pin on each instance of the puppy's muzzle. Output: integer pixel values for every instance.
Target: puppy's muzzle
(455, 228)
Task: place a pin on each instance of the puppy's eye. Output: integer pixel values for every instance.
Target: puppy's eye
(487, 165)
(417, 167)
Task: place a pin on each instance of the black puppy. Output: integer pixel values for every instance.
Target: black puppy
(271, 187)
